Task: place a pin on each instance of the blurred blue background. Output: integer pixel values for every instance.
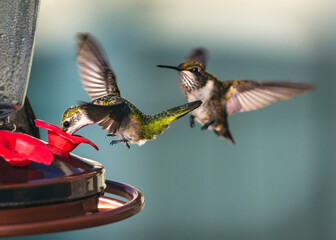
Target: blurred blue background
(277, 182)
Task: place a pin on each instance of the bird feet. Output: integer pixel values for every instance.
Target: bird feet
(118, 141)
(205, 126)
(111, 135)
(192, 121)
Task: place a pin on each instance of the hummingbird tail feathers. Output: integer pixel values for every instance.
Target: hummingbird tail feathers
(182, 110)
(225, 133)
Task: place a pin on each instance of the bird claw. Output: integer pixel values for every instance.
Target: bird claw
(121, 140)
(192, 121)
(205, 126)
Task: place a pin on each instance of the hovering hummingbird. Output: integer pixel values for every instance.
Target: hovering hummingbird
(221, 99)
(107, 108)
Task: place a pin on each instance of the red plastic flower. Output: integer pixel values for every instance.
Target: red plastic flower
(20, 149)
(61, 139)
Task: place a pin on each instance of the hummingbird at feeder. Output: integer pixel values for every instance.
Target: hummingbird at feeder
(221, 99)
(107, 108)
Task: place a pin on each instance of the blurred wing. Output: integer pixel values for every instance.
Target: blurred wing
(107, 116)
(97, 76)
(247, 95)
(198, 55)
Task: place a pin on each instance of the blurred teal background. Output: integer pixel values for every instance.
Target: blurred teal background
(277, 182)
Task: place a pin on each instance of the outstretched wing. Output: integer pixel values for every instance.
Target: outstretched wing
(198, 55)
(107, 115)
(247, 95)
(96, 74)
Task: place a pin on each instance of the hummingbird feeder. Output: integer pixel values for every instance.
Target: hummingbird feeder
(43, 187)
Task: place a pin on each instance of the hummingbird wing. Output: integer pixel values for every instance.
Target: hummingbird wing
(96, 74)
(107, 116)
(247, 95)
(199, 55)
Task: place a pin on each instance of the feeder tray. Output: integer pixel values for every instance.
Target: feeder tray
(69, 194)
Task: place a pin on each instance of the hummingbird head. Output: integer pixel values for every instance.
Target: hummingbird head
(192, 74)
(74, 118)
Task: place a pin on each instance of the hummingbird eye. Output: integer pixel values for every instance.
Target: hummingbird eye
(66, 124)
(194, 70)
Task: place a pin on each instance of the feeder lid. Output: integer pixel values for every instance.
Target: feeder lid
(67, 178)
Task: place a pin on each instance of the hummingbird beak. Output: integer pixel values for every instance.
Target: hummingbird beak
(171, 67)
